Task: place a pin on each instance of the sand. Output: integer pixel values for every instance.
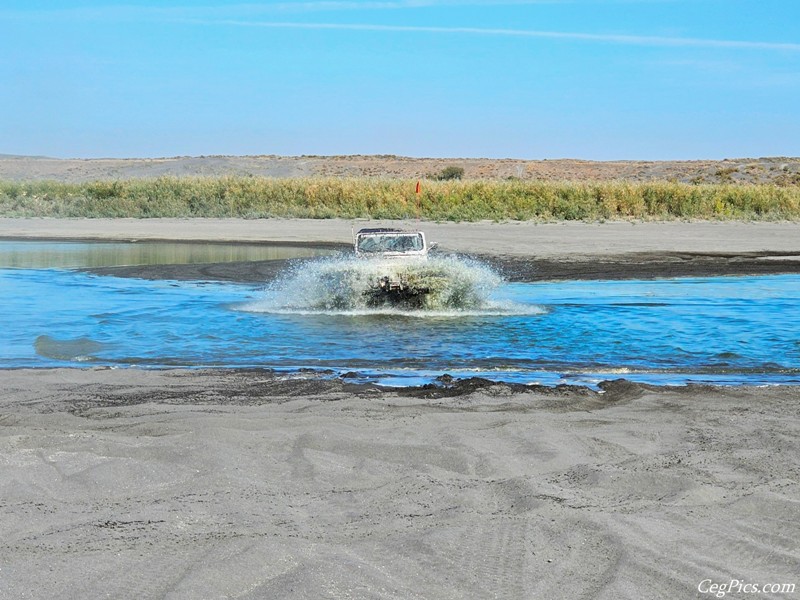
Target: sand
(127, 483)
(177, 484)
(528, 239)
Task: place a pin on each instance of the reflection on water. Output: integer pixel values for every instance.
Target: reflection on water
(37, 255)
(727, 330)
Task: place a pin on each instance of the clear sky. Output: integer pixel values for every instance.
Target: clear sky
(593, 79)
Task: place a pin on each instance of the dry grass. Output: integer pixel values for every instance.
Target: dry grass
(320, 198)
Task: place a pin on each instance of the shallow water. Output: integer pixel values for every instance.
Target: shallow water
(730, 330)
(34, 255)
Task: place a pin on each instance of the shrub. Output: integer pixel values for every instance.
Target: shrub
(451, 172)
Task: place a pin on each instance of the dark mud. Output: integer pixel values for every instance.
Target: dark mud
(254, 387)
(640, 265)
(644, 265)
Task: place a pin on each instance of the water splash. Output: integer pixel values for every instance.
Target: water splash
(345, 285)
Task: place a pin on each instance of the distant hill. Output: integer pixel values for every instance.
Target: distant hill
(778, 170)
(20, 156)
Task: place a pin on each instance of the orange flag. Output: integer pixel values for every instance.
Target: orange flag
(417, 191)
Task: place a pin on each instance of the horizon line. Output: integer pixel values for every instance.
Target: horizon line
(575, 158)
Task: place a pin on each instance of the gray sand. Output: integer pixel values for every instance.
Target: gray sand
(551, 240)
(177, 484)
(125, 483)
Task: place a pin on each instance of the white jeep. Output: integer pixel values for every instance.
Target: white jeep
(395, 284)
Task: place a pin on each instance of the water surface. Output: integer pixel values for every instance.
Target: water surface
(727, 330)
(33, 255)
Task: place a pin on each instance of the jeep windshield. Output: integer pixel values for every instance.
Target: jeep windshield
(390, 242)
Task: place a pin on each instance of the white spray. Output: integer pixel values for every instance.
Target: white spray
(344, 284)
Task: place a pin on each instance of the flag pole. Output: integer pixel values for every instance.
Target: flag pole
(419, 203)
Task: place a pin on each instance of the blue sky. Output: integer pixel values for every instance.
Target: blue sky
(591, 79)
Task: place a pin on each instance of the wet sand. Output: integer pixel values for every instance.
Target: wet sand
(128, 483)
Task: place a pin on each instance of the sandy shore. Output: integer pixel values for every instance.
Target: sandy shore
(177, 484)
(126, 483)
(512, 239)
(521, 251)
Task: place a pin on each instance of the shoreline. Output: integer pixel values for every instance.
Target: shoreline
(518, 238)
(445, 387)
(522, 252)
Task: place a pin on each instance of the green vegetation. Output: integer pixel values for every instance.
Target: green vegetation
(449, 173)
(450, 200)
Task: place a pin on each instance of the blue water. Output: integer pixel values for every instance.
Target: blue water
(728, 330)
(44, 254)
